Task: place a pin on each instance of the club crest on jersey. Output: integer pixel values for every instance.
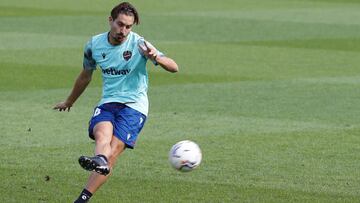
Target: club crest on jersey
(127, 55)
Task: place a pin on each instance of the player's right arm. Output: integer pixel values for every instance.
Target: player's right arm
(80, 85)
(82, 81)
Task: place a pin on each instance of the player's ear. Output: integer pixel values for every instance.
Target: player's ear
(110, 19)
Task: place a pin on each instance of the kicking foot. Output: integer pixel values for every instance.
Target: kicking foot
(96, 163)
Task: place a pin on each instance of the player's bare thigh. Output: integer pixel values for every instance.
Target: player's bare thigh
(103, 131)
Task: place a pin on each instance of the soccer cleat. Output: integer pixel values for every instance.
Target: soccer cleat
(96, 163)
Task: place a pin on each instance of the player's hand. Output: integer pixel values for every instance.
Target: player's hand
(149, 51)
(63, 106)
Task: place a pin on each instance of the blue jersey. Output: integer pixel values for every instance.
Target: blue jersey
(123, 67)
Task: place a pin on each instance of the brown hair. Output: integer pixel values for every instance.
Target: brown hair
(127, 9)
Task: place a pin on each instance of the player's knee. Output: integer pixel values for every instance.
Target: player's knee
(100, 137)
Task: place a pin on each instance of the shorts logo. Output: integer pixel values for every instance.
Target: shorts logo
(128, 136)
(127, 55)
(97, 112)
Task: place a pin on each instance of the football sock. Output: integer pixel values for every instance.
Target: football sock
(84, 196)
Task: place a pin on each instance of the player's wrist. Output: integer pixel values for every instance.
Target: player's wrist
(68, 103)
(155, 57)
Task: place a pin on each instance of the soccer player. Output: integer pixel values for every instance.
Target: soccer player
(121, 113)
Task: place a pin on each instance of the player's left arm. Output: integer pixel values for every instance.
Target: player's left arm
(165, 62)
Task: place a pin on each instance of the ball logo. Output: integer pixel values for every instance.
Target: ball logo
(174, 151)
(127, 55)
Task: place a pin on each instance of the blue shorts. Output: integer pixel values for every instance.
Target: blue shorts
(126, 121)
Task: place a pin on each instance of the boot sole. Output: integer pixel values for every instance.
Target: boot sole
(89, 165)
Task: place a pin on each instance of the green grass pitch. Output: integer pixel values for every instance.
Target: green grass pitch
(268, 89)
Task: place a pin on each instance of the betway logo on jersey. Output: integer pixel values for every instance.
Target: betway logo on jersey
(113, 71)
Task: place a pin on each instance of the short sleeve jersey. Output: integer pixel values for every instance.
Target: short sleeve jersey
(123, 67)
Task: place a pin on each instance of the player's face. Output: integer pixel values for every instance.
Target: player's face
(120, 27)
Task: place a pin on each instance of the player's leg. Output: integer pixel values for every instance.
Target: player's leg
(102, 132)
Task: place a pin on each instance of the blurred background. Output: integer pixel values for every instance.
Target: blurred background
(268, 89)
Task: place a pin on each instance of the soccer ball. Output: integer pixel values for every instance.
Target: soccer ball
(185, 156)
